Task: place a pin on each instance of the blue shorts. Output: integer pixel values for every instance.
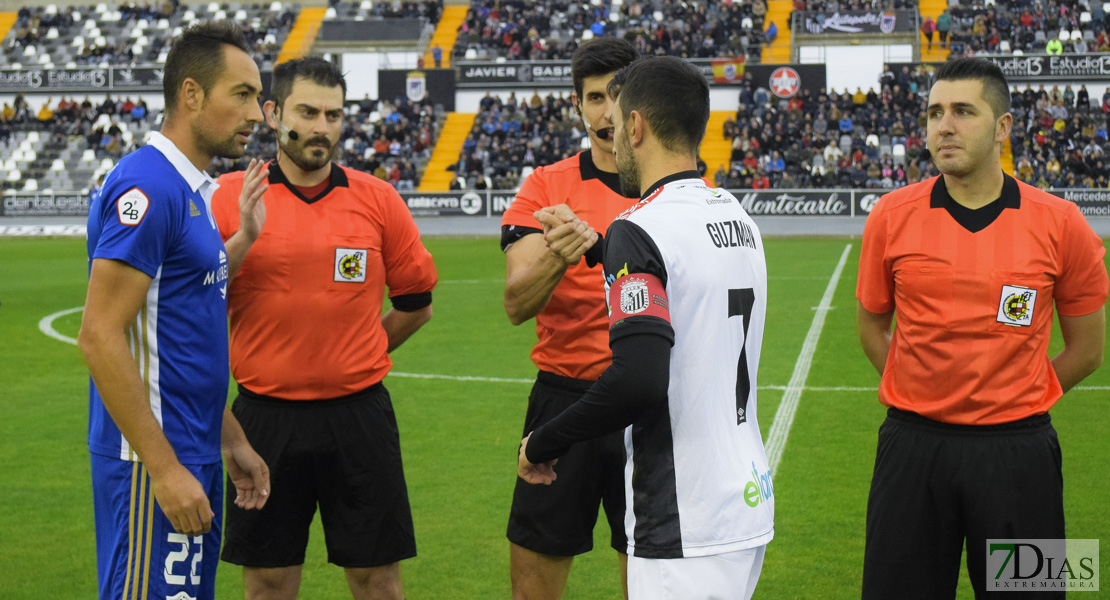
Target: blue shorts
(138, 553)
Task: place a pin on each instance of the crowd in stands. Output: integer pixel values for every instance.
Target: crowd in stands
(513, 136)
(1059, 137)
(116, 45)
(829, 139)
(389, 139)
(431, 10)
(97, 123)
(1028, 26)
(553, 29)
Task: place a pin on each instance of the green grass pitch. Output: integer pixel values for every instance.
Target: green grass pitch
(460, 438)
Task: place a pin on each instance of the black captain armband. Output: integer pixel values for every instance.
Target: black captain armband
(411, 302)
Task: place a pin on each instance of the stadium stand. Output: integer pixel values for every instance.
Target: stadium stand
(553, 30)
(1059, 138)
(851, 140)
(1040, 27)
(128, 34)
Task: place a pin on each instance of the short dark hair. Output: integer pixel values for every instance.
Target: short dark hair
(316, 70)
(600, 56)
(199, 55)
(995, 89)
(671, 94)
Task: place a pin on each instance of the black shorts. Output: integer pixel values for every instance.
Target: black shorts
(343, 454)
(559, 519)
(936, 485)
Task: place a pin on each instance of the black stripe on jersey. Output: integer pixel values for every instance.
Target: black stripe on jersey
(658, 532)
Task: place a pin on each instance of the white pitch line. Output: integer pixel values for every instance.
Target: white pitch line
(784, 416)
(46, 325)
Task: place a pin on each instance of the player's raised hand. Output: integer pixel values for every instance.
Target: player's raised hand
(249, 474)
(183, 500)
(252, 210)
(543, 473)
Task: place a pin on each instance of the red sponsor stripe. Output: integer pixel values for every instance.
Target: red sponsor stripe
(638, 295)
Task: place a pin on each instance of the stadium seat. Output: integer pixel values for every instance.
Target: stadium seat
(1064, 35)
(1004, 46)
(188, 17)
(1039, 37)
(32, 137)
(213, 7)
(14, 175)
(88, 156)
(52, 34)
(899, 154)
(1076, 35)
(330, 13)
(58, 165)
(107, 164)
(275, 6)
(30, 51)
(1018, 52)
(31, 185)
(1084, 17)
(78, 41)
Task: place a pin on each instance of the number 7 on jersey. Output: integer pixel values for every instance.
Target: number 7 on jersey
(740, 303)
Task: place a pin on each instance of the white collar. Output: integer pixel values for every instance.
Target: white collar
(192, 175)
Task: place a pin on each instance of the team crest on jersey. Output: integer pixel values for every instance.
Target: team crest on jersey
(1016, 306)
(634, 296)
(180, 596)
(350, 265)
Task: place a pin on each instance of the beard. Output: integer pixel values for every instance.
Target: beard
(229, 147)
(307, 155)
(628, 170)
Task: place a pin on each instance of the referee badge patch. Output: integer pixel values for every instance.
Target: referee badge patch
(350, 265)
(1016, 306)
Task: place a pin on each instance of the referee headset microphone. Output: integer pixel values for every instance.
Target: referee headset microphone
(602, 134)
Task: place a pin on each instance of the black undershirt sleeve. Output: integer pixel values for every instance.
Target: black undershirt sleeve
(634, 384)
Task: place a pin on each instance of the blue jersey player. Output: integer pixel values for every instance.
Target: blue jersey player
(154, 332)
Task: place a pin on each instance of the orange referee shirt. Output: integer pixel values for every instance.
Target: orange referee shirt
(306, 304)
(973, 297)
(573, 329)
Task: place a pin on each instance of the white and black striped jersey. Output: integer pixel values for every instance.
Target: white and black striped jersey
(687, 259)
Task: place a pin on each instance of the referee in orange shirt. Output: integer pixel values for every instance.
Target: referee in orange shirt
(310, 348)
(547, 279)
(971, 263)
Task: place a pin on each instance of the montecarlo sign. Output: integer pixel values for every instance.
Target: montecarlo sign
(797, 203)
(1025, 68)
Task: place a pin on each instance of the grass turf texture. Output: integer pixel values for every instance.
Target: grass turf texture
(460, 437)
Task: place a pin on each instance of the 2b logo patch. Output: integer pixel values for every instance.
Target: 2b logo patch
(350, 265)
(1016, 306)
(132, 206)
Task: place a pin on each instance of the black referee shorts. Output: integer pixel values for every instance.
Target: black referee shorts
(559, 519)
(936, 485)
(343, 455)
